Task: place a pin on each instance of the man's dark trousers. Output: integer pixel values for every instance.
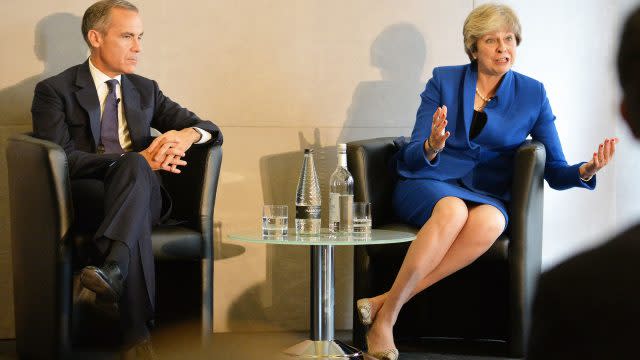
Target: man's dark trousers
(123, 207)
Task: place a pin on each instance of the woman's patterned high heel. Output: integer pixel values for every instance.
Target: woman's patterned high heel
(364, 311)
(389, 354)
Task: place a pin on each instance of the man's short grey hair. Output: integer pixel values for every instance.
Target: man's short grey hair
(98, 15)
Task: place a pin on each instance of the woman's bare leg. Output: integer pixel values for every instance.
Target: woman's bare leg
(425, 253)
(483, 226)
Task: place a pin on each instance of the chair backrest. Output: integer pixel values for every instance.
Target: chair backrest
(41, 216)
(374, 179)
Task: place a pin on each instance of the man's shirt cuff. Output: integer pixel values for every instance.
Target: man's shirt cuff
(204, 135)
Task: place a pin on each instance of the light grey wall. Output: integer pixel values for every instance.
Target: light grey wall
(570, 46)
(282, 75)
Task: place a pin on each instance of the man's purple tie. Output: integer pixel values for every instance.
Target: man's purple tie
(109, 139)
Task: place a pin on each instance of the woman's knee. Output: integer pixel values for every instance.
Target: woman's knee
(450, 211)
(487, 222)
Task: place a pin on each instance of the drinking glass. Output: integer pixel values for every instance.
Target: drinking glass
(361, 218)
(275, 220)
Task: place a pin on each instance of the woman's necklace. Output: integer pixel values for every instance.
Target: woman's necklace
(485, 99)
(484, 103)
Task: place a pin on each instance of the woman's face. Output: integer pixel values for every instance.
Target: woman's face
(496, 52)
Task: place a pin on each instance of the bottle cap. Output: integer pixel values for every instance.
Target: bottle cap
(308, 151)
(342, 147)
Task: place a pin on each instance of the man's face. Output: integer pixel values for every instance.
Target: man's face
(116, 50)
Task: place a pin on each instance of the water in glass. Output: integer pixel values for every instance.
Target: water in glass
(275, 220)
(361, 217)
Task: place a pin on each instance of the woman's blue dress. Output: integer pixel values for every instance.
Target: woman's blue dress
(477, 168)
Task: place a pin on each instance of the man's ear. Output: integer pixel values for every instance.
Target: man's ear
(632, 123)
(95, 38)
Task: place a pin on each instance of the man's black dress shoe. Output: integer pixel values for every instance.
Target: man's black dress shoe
(106, 281)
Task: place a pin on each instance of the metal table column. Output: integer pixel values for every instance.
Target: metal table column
(322, 343)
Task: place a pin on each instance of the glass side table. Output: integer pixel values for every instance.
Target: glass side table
(322, 343)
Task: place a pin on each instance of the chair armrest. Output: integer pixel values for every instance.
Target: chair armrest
(193, 191)
(39, 168)
(525, 245)
(41, 218)
(374, 181)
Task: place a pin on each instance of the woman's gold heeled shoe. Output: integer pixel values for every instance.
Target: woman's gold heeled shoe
(364, 311)
(389, 354)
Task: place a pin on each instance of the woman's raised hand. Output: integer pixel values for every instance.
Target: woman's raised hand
(438, 136)
(600, 158)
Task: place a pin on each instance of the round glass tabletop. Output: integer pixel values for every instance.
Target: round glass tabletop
(376, 236)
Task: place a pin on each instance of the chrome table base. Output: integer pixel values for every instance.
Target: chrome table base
(322, 343)
(327, 349)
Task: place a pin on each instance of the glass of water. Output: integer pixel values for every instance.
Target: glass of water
(275, 220)
(361, 218)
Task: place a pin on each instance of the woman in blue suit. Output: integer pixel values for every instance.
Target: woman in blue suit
(455, 173)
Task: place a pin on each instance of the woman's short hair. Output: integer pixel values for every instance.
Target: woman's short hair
(98, 15)
(485, 19)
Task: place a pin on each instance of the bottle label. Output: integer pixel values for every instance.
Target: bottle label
(308, 212)
(334, 207)
(346, 213)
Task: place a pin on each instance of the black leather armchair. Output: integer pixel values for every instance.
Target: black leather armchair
(44, 239)
(488, 300)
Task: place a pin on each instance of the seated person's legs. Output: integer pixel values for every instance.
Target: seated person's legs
(459, 233)
(132, 204)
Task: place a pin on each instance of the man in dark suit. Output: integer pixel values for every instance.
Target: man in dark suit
(101, 114)
(588, 307)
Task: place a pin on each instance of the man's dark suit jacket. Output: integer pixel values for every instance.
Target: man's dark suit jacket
(66, 110)
(589, 306)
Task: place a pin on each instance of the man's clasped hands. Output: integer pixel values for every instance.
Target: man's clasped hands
(167, 150)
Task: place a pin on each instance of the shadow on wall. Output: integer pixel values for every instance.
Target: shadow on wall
(282, 301)
(390, 103)
(223, 250)
(58, 44)
(383, 107)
